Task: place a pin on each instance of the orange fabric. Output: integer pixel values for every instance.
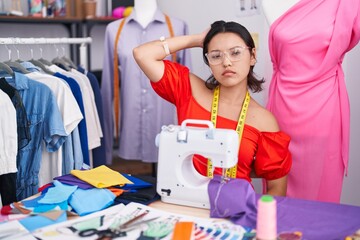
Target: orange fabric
(117, 81)
(269, 149)
(116, 191)
(116, 71)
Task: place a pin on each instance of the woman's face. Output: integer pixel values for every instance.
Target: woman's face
(230, 59)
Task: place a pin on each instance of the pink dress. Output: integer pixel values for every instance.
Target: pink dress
(308, 94)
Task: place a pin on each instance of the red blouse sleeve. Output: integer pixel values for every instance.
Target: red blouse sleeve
(273, 158)
(174, 84)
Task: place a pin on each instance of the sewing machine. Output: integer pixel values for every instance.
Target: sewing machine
(178, 181)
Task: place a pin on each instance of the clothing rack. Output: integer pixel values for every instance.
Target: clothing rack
(83, 59)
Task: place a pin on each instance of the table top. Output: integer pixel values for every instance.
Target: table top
(179, 209)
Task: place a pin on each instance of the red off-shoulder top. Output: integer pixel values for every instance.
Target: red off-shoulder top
(265, 152)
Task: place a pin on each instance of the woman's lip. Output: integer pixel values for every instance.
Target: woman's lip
(227, 72)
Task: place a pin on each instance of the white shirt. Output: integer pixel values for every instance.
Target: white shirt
(8, 135)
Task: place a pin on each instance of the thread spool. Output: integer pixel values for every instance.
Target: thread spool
(266, 218)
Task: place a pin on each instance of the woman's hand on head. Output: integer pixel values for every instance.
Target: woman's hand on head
(202, 36)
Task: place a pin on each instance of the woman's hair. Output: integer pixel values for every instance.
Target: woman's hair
(217, 27)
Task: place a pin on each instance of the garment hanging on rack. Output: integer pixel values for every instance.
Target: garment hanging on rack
(55, 164)
(50, 135)
(8, 149)
(45, 126)
(98, 154)
(94, 130)
(143, 111)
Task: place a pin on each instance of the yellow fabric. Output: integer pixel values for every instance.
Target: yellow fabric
(101, 177)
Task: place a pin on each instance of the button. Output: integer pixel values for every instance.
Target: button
(144, 90)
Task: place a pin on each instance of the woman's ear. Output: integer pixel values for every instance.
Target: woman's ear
(253, 57)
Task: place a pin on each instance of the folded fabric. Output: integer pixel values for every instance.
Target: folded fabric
(91, 200)
(136, 183)
(143, 195)
(116, 191)
(57, 194)
(101, 177)
(43, 208)
(74, 181)
(234, 199)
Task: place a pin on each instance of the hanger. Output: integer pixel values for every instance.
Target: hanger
(43, 60)
(60, 62)
(39, 64)
(14, 64)
(6, 68)
(70, 63)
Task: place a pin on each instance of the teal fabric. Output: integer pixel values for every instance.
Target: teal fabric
(87, 201)
(57, 194)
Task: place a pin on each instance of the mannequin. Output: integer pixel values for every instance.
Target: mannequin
(145, 10)
(143, 112)
(272, 13)
(308, 40)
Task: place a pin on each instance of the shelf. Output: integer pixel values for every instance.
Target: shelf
(46, 20)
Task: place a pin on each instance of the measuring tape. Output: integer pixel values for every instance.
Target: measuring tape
(230, 172)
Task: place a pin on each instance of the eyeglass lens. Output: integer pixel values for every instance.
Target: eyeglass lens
(233, 54)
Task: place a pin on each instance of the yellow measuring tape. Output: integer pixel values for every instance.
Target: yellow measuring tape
(230, 172)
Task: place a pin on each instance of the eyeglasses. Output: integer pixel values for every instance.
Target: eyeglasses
(233, 54)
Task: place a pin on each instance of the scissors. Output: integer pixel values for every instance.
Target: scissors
(102, 234)
(114, 233)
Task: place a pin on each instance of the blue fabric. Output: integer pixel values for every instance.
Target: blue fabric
(75, 88)
(57, 194)
(31, 203)
(137, 183)
(77, 151)
(72, 152)
(46, 126)
(99, 153)
(43, 208)
(91, 200)
(36, 222)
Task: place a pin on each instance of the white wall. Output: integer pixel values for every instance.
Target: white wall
(351, 189)
(199, 14)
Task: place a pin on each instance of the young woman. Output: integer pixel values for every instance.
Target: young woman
(229, 51)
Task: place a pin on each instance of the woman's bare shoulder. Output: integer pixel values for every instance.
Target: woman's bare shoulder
(261, 118)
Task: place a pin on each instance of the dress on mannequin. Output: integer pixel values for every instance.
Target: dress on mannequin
(143, 112)
(307, 93)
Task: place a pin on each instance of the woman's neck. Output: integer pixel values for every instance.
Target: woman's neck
(273, 9)
(232, 95)
(144, 11)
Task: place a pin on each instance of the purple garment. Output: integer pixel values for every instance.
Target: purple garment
(234, 199)
(143, 112)
(316, 220)
(72, 180)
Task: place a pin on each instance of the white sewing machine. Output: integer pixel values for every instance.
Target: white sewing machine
(178, 181)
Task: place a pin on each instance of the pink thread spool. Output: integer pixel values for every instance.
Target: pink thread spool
(266, 218)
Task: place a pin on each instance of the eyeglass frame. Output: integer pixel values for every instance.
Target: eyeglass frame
(227, 54)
